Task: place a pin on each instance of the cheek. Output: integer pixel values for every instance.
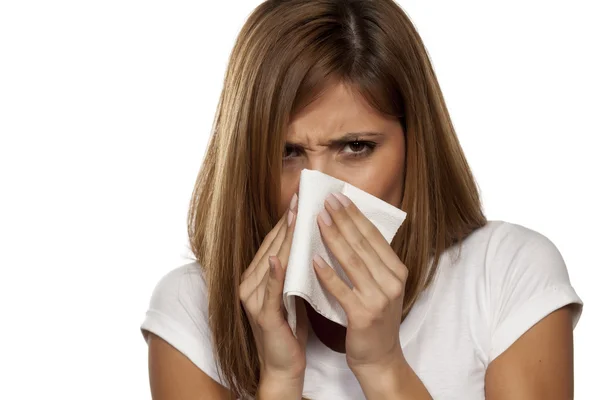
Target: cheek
(382, 184)
(290, 181)
(382, 177)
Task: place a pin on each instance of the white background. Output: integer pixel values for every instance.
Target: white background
(105, 111)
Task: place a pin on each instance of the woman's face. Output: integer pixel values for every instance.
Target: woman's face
(340, 135)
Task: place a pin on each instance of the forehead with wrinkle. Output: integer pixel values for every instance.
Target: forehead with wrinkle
(337, 111)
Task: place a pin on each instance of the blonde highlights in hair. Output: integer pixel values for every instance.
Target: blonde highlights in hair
(285, 54)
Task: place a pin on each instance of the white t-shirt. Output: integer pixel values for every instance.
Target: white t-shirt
(506, 279)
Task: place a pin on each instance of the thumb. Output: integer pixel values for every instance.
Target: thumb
(274, 289)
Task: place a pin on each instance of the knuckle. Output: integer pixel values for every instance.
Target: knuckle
(402, 271)
(354, 260)
(383, 303)
(396, 289)
(362, 244)
(352, 209)
(361, 319)
(372, 231)
(378, 303)
(244, 291)
(346, 294)
(333, 236)
(327, 275)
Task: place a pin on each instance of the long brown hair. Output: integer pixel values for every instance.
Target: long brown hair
(283, 57)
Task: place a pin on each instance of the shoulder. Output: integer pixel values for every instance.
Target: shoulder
(519, 276)
(501, 246)
(182, 287)
(509, 251)
(497, 234)
(178, 313)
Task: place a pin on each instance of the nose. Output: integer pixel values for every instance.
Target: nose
(325, 167)
(319, 164)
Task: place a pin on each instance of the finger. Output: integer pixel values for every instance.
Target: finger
(352, 264)
(252, 293)
(380, 272)
(280, 254)
(263, 265)
(374, 237)
(271, 309)
(266, 243)
(284, 251)
(255, 276)
(334, 285)
(272, 248)
(270, 237)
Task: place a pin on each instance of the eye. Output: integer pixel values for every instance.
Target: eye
(358, 148)
(290, 152)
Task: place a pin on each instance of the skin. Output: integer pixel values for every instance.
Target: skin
(337, 112)
(539, 365)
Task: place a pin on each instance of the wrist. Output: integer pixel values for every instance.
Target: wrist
(394, 364)
(277, 387)
(395, 380)
(384, 381)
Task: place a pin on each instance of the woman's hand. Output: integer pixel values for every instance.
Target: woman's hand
(374, 306)
(282, 356)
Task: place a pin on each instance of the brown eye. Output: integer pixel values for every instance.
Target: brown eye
(358, 148)
(290, 152)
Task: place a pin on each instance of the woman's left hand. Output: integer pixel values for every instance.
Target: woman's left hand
(374, 306)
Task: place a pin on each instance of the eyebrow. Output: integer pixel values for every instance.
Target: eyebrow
(347, 137)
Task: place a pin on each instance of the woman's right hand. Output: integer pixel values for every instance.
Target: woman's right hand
(282, 356)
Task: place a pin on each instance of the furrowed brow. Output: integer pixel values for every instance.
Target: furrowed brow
(347, 137)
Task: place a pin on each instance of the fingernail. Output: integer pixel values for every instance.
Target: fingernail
(325, 217)
(343, 199)
(333, 202)
(319, 260)
(290, 217)
(294, 202)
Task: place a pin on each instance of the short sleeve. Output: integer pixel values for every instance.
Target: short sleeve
(178, 314)
(528, 280)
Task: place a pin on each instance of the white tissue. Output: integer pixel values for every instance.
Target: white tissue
(300, 279)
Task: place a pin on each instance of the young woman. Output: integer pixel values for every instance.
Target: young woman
(456, 307)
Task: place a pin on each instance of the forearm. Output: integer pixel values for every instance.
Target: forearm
(397, 382)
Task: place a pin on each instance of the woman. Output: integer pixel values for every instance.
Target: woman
(456, 307)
